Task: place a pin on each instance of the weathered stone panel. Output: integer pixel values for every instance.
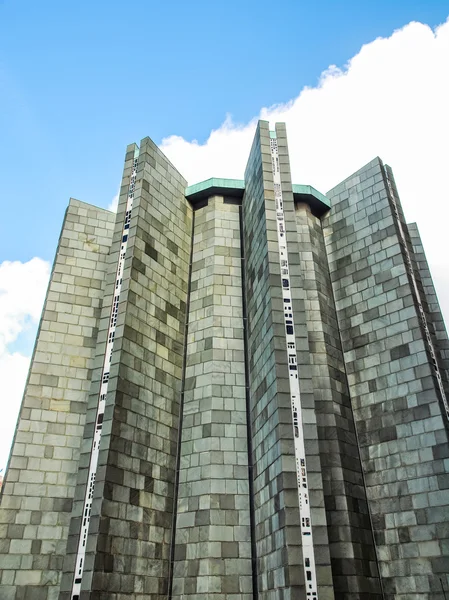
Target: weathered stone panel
(278, 535)
(397, 407)
(41, 476)
(128, 550)
(213, 537)
(351, 543)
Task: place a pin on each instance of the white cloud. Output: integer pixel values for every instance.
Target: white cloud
(389, 100)
(114, 202)
(13, 374)
(22, 293)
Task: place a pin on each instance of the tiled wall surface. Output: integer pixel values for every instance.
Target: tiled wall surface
(435, 318)
(264, 399)
(402, 434)
(278, 535)
(40, 483)
(92, 408)
(305, 374)
(213, 538)
(351, 543)
(131, 525)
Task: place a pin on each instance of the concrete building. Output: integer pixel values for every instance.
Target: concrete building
(238, 391)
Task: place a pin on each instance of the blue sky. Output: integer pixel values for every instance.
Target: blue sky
(79, 81)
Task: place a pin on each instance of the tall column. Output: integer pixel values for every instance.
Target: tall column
(277, 405)
(130, 508)
(351, 544)
(213, 538)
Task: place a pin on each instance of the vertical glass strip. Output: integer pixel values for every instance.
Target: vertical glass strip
(95, 450)
(310, 579)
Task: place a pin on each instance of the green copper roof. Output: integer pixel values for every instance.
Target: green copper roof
(216, 186)
(308, 190)
(216, 183)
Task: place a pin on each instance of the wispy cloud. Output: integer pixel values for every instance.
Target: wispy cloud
(22, 292)
(114, 202)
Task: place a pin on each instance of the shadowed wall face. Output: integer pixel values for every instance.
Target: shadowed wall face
(394, 393)
(131, 524)
(277, 515)
(351, 543)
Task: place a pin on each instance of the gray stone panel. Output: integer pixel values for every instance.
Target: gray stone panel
(41, 476)
(226, 475)
(402, 434)
(213, 538)
(268, 500)
(128, 549)
(434, 315)
(351, 544)
(278, 536)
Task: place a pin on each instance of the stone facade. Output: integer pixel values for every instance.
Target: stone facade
(128, 549)
(351, 543)
(213, 538)
(398, 411)
(41, 477)
(277, 532)
(187, 470)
